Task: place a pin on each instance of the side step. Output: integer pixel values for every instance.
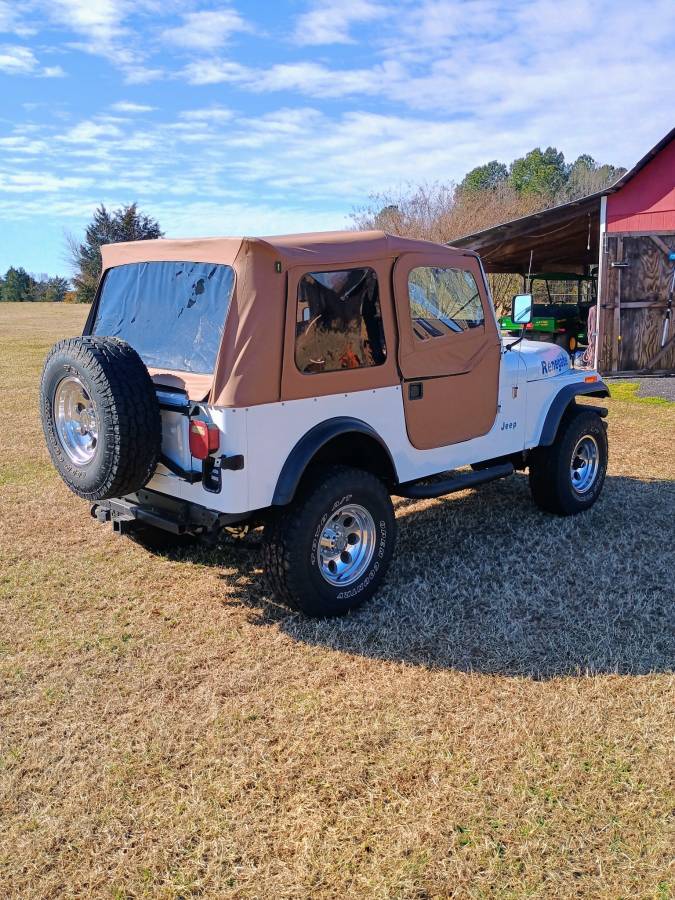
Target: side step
(418, 490)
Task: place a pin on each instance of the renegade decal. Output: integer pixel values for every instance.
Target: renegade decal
(555, 366)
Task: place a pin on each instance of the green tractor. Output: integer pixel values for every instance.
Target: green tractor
(560, 311)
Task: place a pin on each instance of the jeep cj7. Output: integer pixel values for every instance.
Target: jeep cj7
(297, 383)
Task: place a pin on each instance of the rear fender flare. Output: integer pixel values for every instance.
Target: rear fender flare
(562, 401)
(309, 445)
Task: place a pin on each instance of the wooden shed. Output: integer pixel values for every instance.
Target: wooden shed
(625, 234)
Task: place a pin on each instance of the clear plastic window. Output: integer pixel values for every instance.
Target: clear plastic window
(172, 313)
(443, 301)
(339, 321)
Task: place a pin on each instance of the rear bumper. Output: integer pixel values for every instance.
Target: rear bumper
(162, 511)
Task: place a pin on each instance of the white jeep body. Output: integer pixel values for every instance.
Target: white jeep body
(531, 376)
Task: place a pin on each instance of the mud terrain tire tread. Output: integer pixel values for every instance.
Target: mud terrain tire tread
(130, 430)
(287, 572)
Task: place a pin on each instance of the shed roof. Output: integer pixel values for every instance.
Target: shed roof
(564, 236)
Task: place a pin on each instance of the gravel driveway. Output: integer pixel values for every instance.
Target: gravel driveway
(652, 387)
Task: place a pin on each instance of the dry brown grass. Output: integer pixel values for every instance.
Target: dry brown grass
(497, 723)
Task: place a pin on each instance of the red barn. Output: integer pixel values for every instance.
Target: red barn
(625, 234)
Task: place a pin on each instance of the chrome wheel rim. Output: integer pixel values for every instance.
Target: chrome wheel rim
(76, 420)
(346, 545)
(585, 464)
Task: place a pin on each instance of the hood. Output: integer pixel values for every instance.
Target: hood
(543, 360)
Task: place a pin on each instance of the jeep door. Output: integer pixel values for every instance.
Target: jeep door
(449, 348)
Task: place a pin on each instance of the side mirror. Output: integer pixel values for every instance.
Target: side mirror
(521, 309)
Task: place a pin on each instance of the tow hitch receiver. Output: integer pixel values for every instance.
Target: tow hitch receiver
(161, 511)
(118, 512)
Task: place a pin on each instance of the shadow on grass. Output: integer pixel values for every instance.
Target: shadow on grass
(486, 582)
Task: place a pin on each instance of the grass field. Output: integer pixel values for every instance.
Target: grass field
(498, 722)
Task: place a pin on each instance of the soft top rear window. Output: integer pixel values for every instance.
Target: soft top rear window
(172, 313)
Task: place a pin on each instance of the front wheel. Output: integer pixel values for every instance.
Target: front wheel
(329, 550)
(567, 477)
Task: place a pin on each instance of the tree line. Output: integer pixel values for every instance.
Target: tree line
(19, 286)
(488, 195)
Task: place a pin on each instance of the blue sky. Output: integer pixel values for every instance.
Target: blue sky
(242, 117)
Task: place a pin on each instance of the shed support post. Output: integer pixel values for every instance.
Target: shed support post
(599, 323)
(616, 330)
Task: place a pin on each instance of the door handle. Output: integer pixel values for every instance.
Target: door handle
(416, 390)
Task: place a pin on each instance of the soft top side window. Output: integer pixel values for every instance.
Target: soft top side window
(339, 321)
(443, 301)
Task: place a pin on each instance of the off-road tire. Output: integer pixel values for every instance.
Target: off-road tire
(290, 541)
(127, 410)
(550, 467)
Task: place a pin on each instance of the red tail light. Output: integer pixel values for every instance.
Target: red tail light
(204, 438)
(214, 438)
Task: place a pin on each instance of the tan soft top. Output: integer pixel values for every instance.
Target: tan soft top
(248, 370)
(326, 247)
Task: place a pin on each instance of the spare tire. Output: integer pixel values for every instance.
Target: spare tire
(100, 416)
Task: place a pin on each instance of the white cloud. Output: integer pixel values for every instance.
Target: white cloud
(17, 60)
(329, 22)
(39, 182)
(107, 28)
(126, 106)
(208, 114)
(309, 78)
(10, 22)
(206, 30)
(88, 132)
(137, 74)
(215, 71)
(317, 80)
(20, 143)
(100, 21)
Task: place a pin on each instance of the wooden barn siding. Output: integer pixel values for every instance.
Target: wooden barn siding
(647, 202)
(633, 298)
(634, 302)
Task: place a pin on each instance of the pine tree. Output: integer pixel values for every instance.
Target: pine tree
(124, 224)
(17, 286)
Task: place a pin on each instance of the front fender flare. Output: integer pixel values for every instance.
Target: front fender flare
(561, 402)
(306, 448)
